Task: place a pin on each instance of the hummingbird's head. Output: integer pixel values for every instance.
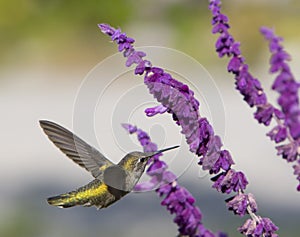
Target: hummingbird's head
(136, 161)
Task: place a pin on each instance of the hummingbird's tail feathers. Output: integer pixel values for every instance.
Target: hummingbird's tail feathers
(94, 193)
(71, 199)
(64, 200)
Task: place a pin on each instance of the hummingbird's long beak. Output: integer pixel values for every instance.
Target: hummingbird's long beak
(166, 149)
(162, 150)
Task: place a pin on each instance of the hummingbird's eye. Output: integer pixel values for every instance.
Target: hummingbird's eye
(143, 159)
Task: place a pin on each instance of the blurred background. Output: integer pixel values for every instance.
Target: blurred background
(48, 48)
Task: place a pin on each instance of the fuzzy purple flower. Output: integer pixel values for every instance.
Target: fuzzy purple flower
(287, 87)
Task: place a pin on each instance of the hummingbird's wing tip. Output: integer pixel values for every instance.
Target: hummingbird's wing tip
(43, 123)
(75, 148)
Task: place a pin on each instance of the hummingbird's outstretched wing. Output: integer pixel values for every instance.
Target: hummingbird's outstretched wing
(76, 149)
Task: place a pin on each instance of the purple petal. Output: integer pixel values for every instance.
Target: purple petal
(264, 114)
(143, 66)
(288, 151)
(278, 133)
(130, 128)
(147, 186)
(106, 29)
(160, 109)
(238, 204)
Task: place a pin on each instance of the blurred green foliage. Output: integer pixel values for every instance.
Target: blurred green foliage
(43, 25)
(65, 29)
(21, 225)
(25, 18)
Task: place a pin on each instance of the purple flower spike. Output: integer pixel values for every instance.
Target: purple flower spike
(179, 100)
(288, 119)
(287, 87)
(177, 199)
(285, 83)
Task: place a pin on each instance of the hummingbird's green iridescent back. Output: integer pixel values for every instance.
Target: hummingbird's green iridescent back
(112, 181)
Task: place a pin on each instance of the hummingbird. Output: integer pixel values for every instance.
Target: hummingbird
(111, 181)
